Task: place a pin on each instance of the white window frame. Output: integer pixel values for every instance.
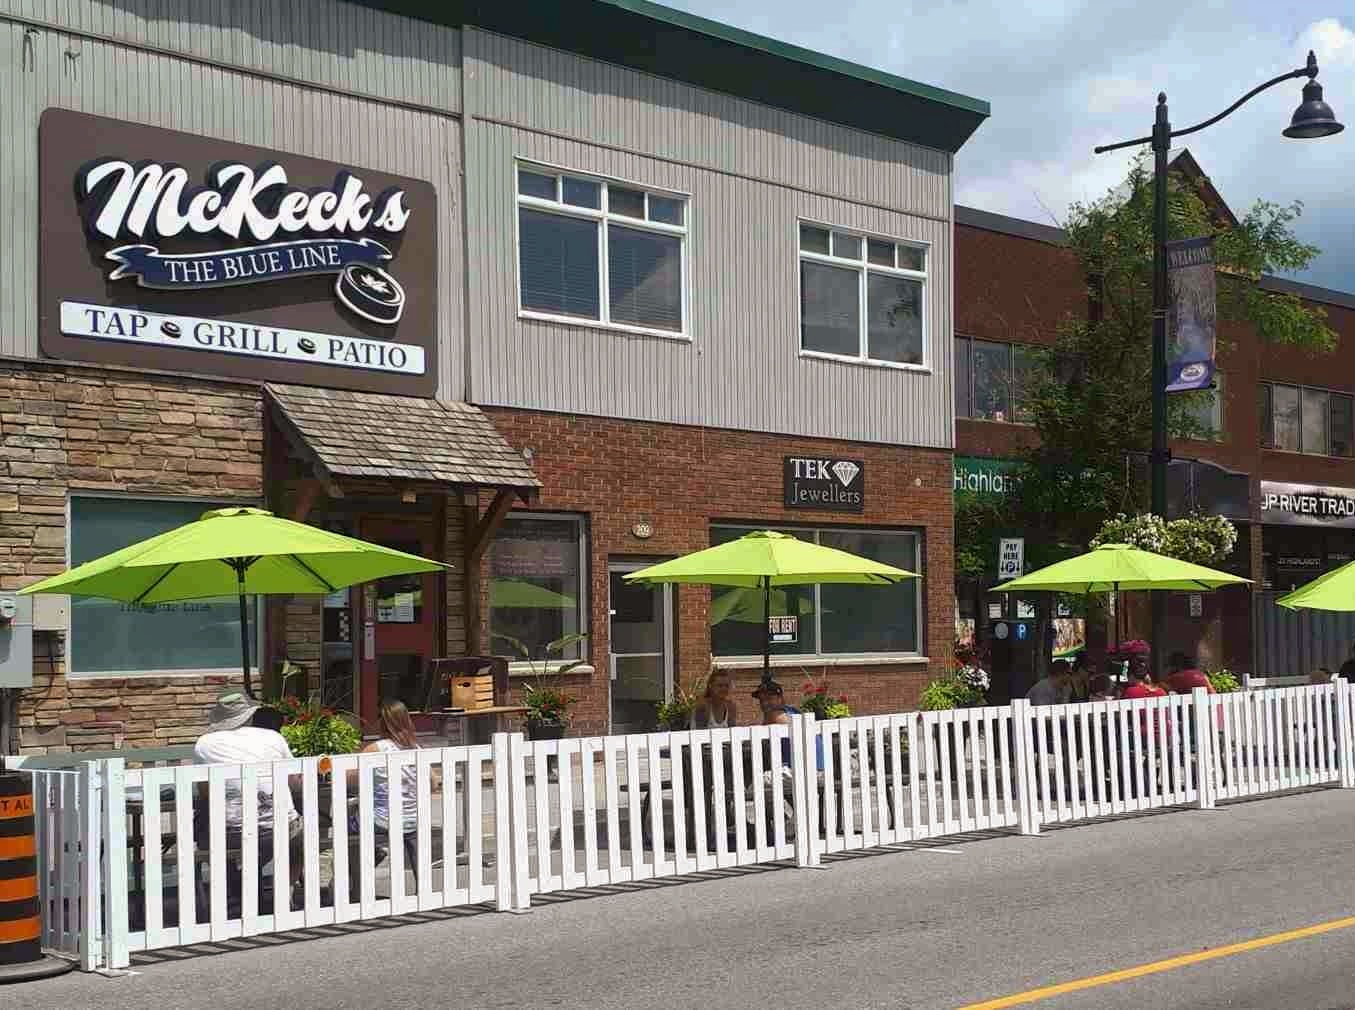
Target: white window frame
(255, 618)
(523, 668)
(821, 658)
(603, 217)
(864, 268)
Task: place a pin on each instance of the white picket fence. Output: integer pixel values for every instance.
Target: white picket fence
(166, 854)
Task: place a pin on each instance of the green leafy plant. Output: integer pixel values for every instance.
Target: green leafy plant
(815, 698)
(1223, 681)
(949, 692)
(546, 701)
(312, 730)
(677, 714)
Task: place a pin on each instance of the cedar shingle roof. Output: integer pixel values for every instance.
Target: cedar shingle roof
(373, 435)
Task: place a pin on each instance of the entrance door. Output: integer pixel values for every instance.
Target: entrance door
(641, 656)
(399, 620)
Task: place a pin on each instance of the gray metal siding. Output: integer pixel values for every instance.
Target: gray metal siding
(752, 172)
(111, 80)
(741, 369)
(1293, 643)
(539, 88)
(338, 45)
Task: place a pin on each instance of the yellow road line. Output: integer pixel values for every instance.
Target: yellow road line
(1170, 964)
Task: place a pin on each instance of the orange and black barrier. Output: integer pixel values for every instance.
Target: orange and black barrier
(21, 954)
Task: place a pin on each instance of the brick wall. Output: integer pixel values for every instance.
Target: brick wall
(680, 479)
(69, 429)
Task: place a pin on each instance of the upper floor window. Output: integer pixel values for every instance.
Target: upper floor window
(1304, 419)
(1205, 410)
(862, 297)
(992, 380)
(590, 249)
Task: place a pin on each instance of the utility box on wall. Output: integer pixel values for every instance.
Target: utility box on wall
(16, 640)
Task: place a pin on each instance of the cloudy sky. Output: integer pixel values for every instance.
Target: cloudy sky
(1065, 75)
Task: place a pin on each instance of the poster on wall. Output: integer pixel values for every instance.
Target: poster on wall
(168, 250)
(1190, 319)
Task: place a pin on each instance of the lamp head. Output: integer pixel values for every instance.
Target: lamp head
(1314, 118)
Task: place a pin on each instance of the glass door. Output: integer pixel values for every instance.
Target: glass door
(641, 649)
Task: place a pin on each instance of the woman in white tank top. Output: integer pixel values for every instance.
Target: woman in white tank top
(716, 708)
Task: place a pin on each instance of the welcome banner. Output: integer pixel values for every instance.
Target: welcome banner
(1191, 319)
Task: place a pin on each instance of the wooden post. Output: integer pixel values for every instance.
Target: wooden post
(480, 531)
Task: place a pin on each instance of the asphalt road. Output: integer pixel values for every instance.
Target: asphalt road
(946, 927)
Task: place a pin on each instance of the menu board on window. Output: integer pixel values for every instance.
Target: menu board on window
(534, 551)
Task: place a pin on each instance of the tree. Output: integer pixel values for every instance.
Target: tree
(1090, 396)
(1091, 402)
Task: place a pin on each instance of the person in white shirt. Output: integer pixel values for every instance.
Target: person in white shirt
(241, 731)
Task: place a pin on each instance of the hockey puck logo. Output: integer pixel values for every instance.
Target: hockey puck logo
(171, 329)
(1194, 372)
(306, 344)
(371, 293)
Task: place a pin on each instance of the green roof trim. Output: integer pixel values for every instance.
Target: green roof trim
(655, 39)
(800, 54)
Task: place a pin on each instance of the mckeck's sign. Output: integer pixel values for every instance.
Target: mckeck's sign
(213, 257)
(817, 482)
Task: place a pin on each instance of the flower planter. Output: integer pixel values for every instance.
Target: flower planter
(545, 730)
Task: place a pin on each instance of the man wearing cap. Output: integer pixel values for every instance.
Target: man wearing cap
(240, 731)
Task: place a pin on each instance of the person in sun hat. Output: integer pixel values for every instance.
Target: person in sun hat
(240, 731)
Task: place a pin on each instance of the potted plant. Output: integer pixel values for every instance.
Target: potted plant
(1223, 681)
(954, 690)
(312, 730)
(677, 714)
(815, 698)
(545, 699)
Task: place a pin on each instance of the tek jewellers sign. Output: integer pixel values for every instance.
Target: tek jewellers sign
(174, 251)
(830, 485)
(1302, 505)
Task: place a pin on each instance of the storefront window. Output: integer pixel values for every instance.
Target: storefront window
(536, 588)
(871, 618)
(127, 638)
(833, 619)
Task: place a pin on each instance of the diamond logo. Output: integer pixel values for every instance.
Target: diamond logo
(845, 471)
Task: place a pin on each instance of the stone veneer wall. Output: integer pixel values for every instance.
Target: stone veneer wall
(70, 429)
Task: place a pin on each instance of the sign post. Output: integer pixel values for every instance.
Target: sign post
(1011, 557)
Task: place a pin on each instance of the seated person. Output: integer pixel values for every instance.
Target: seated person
(241, 731)
(1055, 689)
(1100, 688)
(716, 709)
(1183, 676)
(1320, 676)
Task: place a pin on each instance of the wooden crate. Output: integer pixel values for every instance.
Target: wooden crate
(472, 693)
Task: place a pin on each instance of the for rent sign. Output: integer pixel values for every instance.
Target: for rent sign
(1303, 505)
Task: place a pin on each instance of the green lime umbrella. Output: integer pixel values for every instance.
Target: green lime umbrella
(1333, 591)
(764, 559)
(1114, 567)
(234, 551)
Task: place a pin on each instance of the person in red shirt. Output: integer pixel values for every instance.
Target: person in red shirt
(1183, 676)
(1140, 681)
(1141, 686)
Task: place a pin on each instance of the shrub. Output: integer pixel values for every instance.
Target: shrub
(949, 692)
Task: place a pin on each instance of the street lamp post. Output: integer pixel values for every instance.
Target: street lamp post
(1313, 118)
